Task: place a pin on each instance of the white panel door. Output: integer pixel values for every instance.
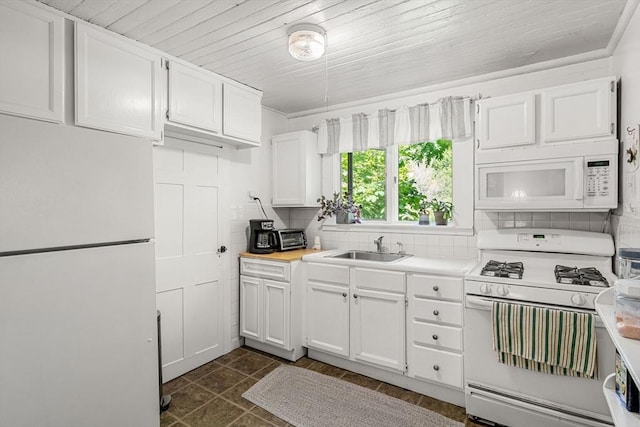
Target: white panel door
(195, 97)
(170, 303)
(187, 196)
(580, 110)
(251, 307)
(506, 121)
(277, 313)
(117, 84)
(242, 113)
(78, 329)
(328, 318)
(31, 62)
(378, 328)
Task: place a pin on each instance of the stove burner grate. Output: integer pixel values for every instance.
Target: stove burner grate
(512, 270)
(588, 276)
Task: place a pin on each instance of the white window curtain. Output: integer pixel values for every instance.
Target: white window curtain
(448, 118)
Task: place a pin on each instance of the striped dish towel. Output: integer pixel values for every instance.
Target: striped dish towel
(544, 339)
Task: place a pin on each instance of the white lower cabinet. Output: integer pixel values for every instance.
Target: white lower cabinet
(268, 321)
(328, 317)
(357, 313)
(434, 329)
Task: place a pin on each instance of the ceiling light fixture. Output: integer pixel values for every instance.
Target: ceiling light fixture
(307, 41)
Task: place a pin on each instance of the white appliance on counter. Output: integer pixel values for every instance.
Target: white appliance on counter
(559, 269)
(77, 277)
(553, 177)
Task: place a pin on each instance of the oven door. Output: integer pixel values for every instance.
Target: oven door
(519, 397)
(543, 184)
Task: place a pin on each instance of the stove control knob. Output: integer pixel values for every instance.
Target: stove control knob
(485, 288)
(502, 291)
(578, 299)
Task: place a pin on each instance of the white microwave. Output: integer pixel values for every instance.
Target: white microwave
(578, 183)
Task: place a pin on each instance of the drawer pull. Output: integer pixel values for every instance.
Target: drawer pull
(344, 294)
(436, 288)
(355, 296)
(435, 337)
(436, 312)
(436, 367)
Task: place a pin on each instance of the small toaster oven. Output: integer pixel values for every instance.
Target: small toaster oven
(288, 239)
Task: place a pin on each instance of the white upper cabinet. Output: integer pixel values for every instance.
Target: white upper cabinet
(296, 167)
(577, 112)
(242, 113)
(580, 110)
(195, 98)
(31, 62)
(506, 121)
(117, 84)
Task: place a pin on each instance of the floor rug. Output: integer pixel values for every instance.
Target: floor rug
(306, 398)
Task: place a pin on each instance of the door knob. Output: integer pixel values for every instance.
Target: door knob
(222, 249)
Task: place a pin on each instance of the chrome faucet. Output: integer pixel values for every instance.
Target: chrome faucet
(400, 248)
(378, 243)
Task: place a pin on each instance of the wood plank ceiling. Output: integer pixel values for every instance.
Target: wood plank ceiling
(375, 47)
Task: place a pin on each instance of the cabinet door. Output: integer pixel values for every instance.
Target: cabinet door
(378, 328)
(506, 121)
(580, 110)
(31, 62)
(251, 307)
(296, 169)
(242, 113)
(289, 177)
(195, 98)
(117, 84)
(277, 313)
(328, 318)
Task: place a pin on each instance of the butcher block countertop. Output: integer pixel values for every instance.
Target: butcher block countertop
(286, 256)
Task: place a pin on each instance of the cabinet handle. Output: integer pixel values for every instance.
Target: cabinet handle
(355, 296)
(344, 294)
(434, 336)
(436, 367)
(436, 288)
(436, 312)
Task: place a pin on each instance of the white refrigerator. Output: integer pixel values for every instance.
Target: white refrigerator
(78, 340)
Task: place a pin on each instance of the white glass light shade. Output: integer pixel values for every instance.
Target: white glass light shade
(306, 42)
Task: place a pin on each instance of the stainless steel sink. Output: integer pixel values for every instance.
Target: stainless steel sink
(369, 256)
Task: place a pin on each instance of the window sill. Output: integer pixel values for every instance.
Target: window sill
(410, 228)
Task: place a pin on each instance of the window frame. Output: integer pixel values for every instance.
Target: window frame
(462, 188)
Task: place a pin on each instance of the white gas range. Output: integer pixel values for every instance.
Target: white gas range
(560, 269)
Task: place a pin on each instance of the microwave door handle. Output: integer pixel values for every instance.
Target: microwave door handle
(578, 169)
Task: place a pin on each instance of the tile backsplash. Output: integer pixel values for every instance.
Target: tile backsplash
(446, 245)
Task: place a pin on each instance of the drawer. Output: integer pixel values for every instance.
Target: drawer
(328, 273)
(442, 287)
(430, 310)
(267, 269)
(436, 336)
(380, 280)
(438, 366)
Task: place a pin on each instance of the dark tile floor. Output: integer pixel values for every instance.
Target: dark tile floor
(211, 395)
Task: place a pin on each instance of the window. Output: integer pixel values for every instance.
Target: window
(389, 184)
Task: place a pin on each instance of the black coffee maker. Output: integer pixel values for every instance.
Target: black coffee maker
(262, 240)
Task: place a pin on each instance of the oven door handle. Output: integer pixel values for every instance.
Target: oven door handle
(478, 302)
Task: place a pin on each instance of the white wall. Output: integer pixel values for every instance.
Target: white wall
(249, 170)
(433, 245)
(626, 64)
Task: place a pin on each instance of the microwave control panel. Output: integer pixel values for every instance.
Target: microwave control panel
(599, 178)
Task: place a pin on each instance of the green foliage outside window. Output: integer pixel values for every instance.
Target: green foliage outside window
(369, 178)
(424, 171)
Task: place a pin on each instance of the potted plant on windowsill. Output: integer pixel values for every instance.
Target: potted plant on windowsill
(442, 211)
(423, 211)
(344, 209)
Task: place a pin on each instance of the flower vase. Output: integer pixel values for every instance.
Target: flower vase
(439, 217)
(423, 220)
(344, 217)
